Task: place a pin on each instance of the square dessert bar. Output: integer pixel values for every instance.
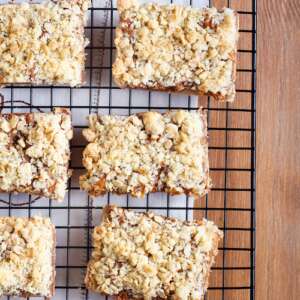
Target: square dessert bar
(43, 43)
(35, 153)
(147, 152)
(27, 257)
(146, 256)
(176, 49)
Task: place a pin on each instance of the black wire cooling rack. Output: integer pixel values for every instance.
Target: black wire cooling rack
(230, 204)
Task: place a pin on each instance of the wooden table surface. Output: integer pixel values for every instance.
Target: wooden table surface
(277, 249)
(278, 151)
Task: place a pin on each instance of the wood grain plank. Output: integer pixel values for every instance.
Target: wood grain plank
(278, 155)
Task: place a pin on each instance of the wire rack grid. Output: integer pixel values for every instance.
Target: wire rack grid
(231, 202)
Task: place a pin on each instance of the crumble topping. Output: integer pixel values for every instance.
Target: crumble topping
(147, 152)
(35, 153)
(26, 256)
(176, 48)
(43, 43)
(147, 256)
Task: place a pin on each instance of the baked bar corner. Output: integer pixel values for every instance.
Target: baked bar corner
(177, 49)
(147, 256)
(27, 257)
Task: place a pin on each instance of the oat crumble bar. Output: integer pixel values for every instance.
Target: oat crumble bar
(146, 256)
(35, 153)
(147, 152)
(27, 257)
(176, 48)
(43, 43)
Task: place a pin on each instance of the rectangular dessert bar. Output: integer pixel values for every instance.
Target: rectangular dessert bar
(146, 256)
(147, 152)
(176, 49)
(35, 153)
(43, 43)
(27, 257)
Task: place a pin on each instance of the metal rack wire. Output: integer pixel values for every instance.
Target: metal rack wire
(231, 203)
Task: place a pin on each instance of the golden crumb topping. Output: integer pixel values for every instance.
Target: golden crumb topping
(170, 47)
(26, 256)
(147, 256)
(42, 43)
(147, 152)
(35, 153)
